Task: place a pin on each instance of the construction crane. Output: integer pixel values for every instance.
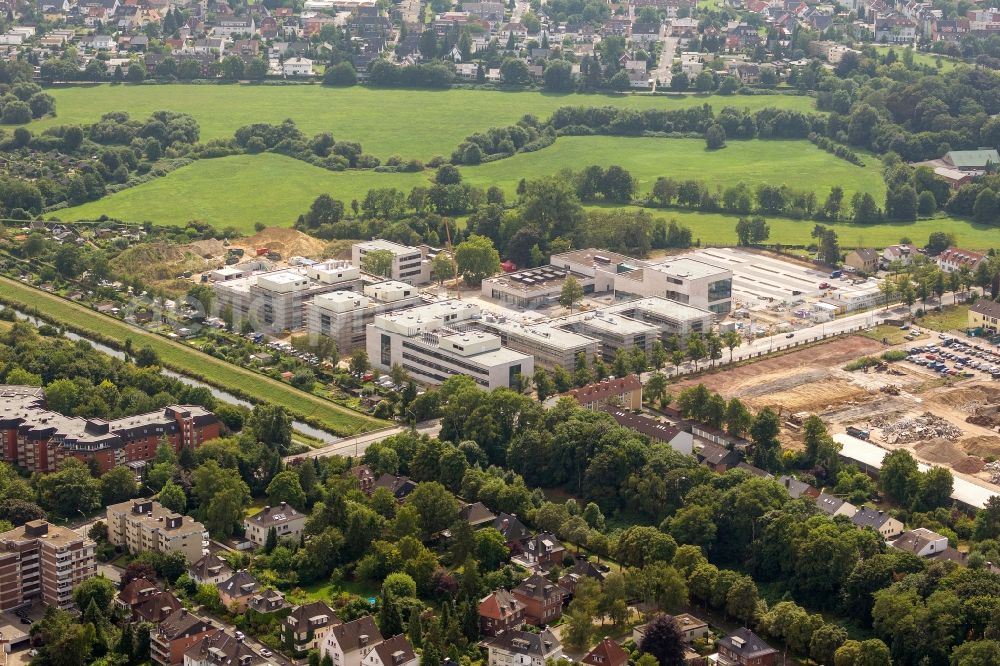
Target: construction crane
(451, 253)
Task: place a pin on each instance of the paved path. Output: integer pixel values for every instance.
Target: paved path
(356, 446)
(662, 73)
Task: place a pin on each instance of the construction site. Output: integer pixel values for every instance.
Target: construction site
(943, 420)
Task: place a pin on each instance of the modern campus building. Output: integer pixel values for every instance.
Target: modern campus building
(533, 287)
(142, 524)
(680, 279)
(551, 346)
(344, 315)
(429, 343)
(275, 301)
(38, 439)
(41, 560)
(409, 264)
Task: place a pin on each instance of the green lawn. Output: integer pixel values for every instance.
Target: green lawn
(187, 360)
(930, 59)
(242, 190)
(412, 123)
(951, 318)
(274, 189)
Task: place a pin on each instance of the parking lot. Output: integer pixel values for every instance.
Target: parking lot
(958, 356)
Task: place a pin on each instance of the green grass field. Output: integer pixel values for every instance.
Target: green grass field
(185, 359)
(929, 59)
(274, 189)
(412, 123)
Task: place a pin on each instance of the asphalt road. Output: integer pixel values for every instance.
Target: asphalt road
(356, 446)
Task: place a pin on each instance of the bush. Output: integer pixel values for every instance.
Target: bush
(894, 355)
(861, 363)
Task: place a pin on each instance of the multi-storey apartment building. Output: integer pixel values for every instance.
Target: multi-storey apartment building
(143, 524)
(40, 560)
(39, 439)
(175, 635)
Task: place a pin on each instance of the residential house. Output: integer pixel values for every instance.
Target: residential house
(500, 611)
(297, 67)
(623, 392)
(268, 602)
(308, 624)
(222, 649)
(512, 529)
(834, 506)
(863, 260)
(922, 542)
(692, 628)
(542, 600)
(606, 653)
(399, 486)
(476, 514)
(237, 591)
(902, 254)
(286, 521)
(894, 30)
(879, 521)
(985, 314)
(582, 569)
(718, 458)
(523, 648)
(349, 643)
(542, 550)
(744, 648)
(210, 569)
(395, 651)
(954, 259)
(175, 635)
(797, 489)
(156, 608)
(644, 34)
(679, 440)
(134, 592)
(365, 477)
(748, 73)
(227, 27)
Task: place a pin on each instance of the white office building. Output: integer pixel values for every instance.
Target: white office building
(428, 342)
(276, 300)
(344, 315)
(681, 279)
(550, 346)
(409, 264)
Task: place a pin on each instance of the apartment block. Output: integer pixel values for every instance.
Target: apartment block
(409, 264)
(344, 315)
(275, 301)
(42, 561)
(143, 524)
(428, 342)
(38, 439)
(175, 635)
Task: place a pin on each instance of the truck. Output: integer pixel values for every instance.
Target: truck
(860, 433)
(261, 251)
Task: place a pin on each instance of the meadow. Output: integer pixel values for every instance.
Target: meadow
(189, 361)
(273, 189)
(411, 123)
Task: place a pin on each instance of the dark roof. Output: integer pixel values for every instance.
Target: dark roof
(916, 540)
(354, 635)
(210, 565)
(137, 590)
(395, 650)
(157, 607)
(224, 649)
(511, 528)
(794, 487)
(476, 514)
(987, 307)
(829, 504)
(276, 515)
(747, 644)
(240, 584)
(399, 486)
(866, 254)
(869, 517)
(644, 425)
(181, 623)
(499, 604)
(537, 586)
(713, 454)
(526, 643)
(316, 615)
(756, 471)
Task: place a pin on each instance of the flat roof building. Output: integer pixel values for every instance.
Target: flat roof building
(426, 343)
(409, 264)
(533, 287)
(344, 315)
(681, 279)
(42, 561)
(548, 344)
(142, 524)
(275, 301)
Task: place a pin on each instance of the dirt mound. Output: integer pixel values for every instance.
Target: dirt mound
(965, 397)
(159, 261)
(940, 450)
(288, 242)
(969, 465)
(206, 248)
(981, 445)
(815, 396)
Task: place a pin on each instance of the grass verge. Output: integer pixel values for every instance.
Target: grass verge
(188, 361)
